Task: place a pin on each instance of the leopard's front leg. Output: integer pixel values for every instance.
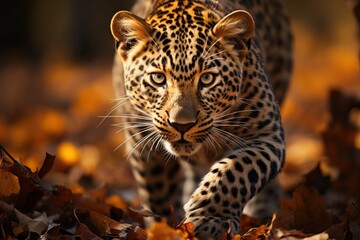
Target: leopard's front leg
(216, 205)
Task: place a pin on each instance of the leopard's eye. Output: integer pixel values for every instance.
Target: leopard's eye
(158, 79)
(207, 79)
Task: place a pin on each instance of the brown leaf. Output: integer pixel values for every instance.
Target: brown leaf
(137, 234)
(31, 187)
(336, 231)
(161, 230)
(140, 214)
(9, 186)
(38, 224)
(351, 230)
(316, 179)
(85, 234)
(52, 232)
(47, 165)
(306, 211)
(188, 229)
(100, 223)
(296, 235)
(248, 222)
(6, 216)
(262, 232)
(82, 201)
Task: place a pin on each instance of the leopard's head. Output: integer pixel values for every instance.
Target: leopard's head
(183, 68)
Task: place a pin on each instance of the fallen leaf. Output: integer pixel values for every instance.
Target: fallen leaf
(38, 224)
(161, 230)
(278, 234)
(6, 216)
(351, 230)
(140, 214)
(262, 232)
(85, 234)
(9, 186)
(316, 179)
(306, 210)
(248, 222)
(336, 231)
(187, 229)
(99, 223)
(47, 165)
(30, 183)
(83, 201)
(52, 232)
(137, 234)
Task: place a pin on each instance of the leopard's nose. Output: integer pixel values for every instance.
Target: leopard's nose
(182, 128)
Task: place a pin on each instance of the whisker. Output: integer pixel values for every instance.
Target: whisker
(113, 109)
(220, 58)
(207, 52)
(221, 138)
(246, 101)
(231, 137)
(213, 55)
(168, 157)
(131, 116)
(128, 154)
(153, 40)
(142, 111)
(149, 139)
(235, 112)
(158, 143)
(128, 123)
(153, 140)
(241, 124)
(118, 98)
(230, 118)
(132, 136)
(132, 126)
(214, 141)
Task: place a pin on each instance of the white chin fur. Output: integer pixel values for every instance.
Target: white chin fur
(182, 149)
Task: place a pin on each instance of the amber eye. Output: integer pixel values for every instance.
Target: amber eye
(157, 78)
(207, 79)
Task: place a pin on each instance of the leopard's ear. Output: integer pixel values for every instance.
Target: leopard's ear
(128, 31)
(238, 24)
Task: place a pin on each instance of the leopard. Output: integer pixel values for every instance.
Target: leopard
(199, 84)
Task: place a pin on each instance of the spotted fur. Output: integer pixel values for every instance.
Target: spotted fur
(204, 132)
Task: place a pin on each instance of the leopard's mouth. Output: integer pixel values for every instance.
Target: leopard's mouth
(182, 141)
(182, 148)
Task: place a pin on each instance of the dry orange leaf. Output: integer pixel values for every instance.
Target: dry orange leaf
(248, 222)
(188, 230)
(161, 230)
(100, 223)
(262, 232)
(9, 184)
(306, 211)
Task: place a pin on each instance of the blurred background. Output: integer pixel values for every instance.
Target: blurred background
(55, 84)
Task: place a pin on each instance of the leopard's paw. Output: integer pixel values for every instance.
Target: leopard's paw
(211, 227)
